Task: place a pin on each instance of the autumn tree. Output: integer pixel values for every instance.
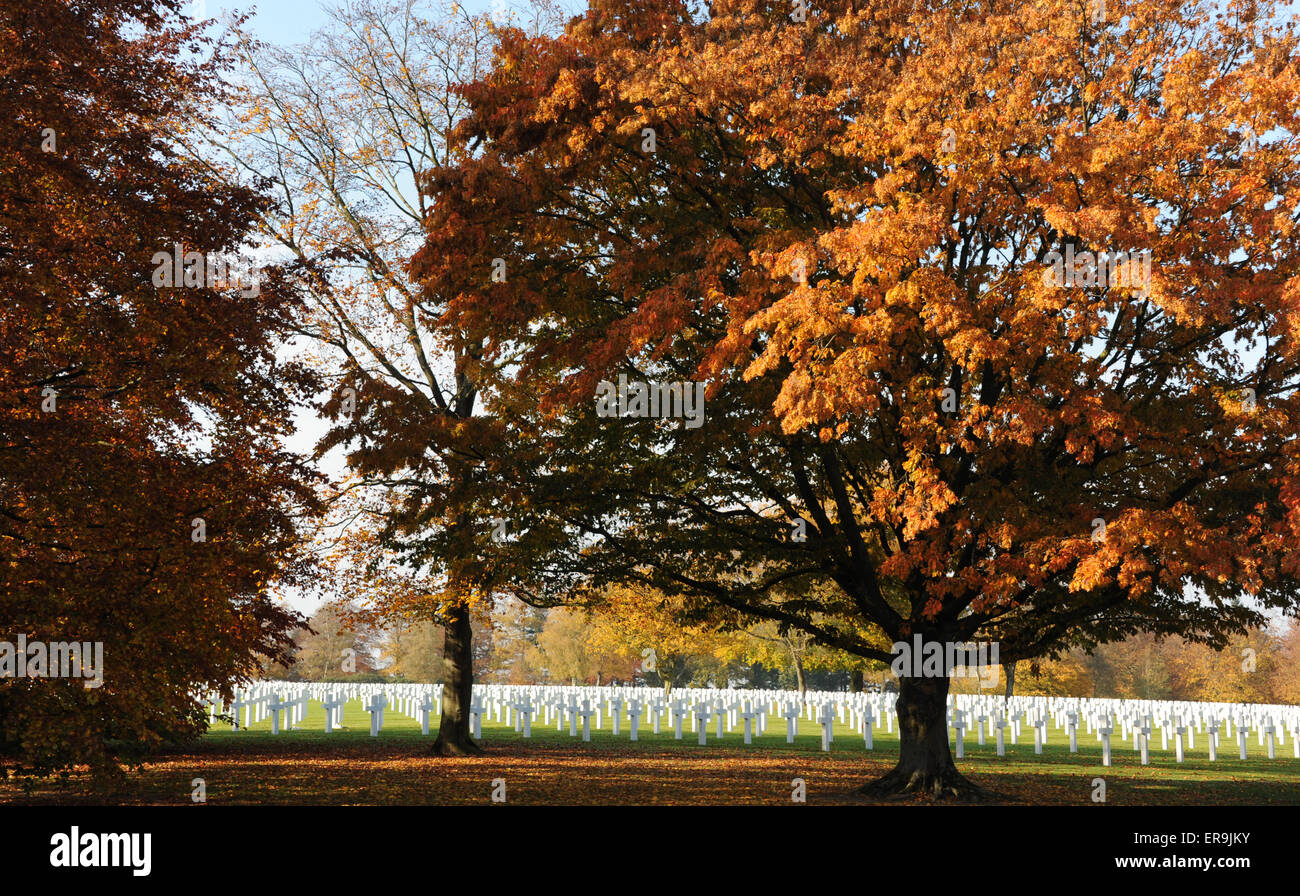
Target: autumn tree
(413, 652)
(1068, 675)
(1134, 668)
(779, 645)
(667, 647)
(1243, 671)
(515, 628)
(995, 306)
(1250, 668)
(343, 127)
(565, 651)
(795, 650)
(335, 646)
(1286, 683)
(145, 501)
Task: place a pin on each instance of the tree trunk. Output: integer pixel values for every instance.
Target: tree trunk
(669, 668)
(925, 765)
(1010, 670)
(855, 681)
(799, 679)
(457, 686)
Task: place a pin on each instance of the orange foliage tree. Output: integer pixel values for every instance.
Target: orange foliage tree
(145, 501)
(649, 625)
(996, 306)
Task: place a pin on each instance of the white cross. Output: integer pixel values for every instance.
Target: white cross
(702, 713)
(275, 706)
(616, 714)
(791, 722)
(827, 723)
(425, 709)
(330, 704)
(634, 714)
(749, 715)
(376, 710)
(524, 709)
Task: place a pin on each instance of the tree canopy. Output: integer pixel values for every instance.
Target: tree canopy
(995, 305)
(146, 501)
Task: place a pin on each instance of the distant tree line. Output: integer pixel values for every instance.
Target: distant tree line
(627, 639)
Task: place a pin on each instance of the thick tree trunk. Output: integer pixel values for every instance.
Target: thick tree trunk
(799, 679)
(855, 681)
(457, 686)
(925, 764)
(1010, 670)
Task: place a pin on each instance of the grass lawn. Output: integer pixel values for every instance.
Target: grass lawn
(348, 766)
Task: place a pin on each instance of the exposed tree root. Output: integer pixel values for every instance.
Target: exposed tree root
(948, 784)
(456, 747)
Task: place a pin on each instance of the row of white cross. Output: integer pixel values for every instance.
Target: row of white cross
(1136, 721)
(290, 700)
(581, 708)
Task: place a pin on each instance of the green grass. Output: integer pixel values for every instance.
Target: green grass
(347, 766)
(1229, 779)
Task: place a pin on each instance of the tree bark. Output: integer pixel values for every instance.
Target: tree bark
(855, 681)
(1010, 670)
(925, 764)
(457, 686)
(799, 679)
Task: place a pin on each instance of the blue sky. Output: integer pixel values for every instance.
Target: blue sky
(292, 21)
